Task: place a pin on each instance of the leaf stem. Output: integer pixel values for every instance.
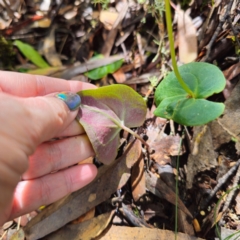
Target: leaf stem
(135, 135)
(172, 51)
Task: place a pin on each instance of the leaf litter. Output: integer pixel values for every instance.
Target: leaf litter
(138, 189)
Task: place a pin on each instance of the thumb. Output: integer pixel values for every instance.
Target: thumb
(52, 114)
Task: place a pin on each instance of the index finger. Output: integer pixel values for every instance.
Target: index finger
(26, 85)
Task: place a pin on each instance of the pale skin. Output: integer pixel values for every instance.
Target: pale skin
(33, 170)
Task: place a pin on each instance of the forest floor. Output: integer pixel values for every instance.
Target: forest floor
(136, 196)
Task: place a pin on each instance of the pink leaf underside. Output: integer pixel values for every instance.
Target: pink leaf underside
(130, 111)
(103, 111)
(102, 131)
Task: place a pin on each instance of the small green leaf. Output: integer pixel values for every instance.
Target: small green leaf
(31, 54)
(104, 111)
(101, 72)
(174, 103)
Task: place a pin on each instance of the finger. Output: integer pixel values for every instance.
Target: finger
(26, 85)
(49, 116)
(53, 156)
(75, 128)
(32, 194)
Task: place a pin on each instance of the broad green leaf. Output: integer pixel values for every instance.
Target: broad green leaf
(101, 72)
(103, 113)
(173, 102)
(190, 112)
(31, 54)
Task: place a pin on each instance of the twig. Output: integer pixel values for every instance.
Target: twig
(107, 47)
(233, 30)
(230, 195)
(136, 136)
(221, 181)
(219, 27)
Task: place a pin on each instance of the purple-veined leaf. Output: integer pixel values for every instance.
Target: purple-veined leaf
(104, 112)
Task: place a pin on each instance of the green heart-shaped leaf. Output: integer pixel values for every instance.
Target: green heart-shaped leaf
(173, 102)
(104, 112)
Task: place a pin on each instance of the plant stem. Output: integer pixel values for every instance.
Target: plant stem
(176, 187)
(135, 135)
(172, 51)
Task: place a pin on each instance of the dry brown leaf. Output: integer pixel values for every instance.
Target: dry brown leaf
(108, 18)
(138, 179)
(203, 156)
(43, 23)
(164, 145)
(184, 223)
(219, 135)
(123, 233)
(187, 37)
(110, 40)
(159, 188)
(230, 120)
(86, 216)
(237, 207)
(49, 49)
(119, 76)
(86, 230)
(232, 71)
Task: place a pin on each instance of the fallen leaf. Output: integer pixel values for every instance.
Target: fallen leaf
(86, 230)
(119, 76)
(203, 156)
(159, 188)
(231, 115)
(237, 206)
(164, 146)
(86, 216)
(108, 18)
(31, 54)
(49, 49)
(123, 233)
(138, 179)
(187, 37)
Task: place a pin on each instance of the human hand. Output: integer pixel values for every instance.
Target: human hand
(28, 120)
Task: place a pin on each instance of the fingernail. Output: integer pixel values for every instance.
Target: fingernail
(71, 99)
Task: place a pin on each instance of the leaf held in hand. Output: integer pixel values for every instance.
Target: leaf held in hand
(173, 102)
(31, 54)
(104, 111)
(101, 72)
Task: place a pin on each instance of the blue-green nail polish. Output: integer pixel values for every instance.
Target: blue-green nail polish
(72, 100)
